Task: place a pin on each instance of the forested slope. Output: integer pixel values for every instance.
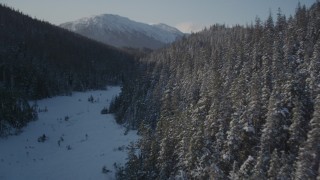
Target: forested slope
(39, 60)
(229, 102)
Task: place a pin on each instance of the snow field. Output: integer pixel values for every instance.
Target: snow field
(79, 141)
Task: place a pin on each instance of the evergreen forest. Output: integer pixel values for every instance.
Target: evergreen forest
(238, 102)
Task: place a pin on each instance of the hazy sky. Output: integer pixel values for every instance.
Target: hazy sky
(187, 15)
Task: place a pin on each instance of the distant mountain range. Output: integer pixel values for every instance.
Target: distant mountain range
(122, 32)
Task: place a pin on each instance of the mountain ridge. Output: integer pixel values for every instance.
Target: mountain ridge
(121, 31)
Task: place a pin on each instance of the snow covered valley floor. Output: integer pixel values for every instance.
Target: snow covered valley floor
(78, 141)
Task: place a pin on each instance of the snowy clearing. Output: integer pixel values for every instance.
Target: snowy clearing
(70, 140)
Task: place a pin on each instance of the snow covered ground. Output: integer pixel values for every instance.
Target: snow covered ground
(79, 141)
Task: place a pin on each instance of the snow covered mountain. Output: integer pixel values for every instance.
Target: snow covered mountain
(123, 32)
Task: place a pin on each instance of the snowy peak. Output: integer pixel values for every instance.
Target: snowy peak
(167, 28)
(122, 32)
(107, 21)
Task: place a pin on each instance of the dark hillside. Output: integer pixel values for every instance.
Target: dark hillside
(39, 60)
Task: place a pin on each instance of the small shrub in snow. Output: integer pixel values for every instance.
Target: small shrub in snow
(105, 170)
(60, 140)
(120, 148)
(104, 110)
(66, 118)
(68, 147)
(91, 99)
(42, 138)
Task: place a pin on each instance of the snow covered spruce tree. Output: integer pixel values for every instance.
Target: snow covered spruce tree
(309, 154)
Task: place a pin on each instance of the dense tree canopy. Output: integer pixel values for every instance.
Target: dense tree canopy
(230, 102)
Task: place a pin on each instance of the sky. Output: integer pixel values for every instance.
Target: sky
(186, 15)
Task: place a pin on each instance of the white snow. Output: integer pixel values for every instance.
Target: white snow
(111, 22)
(249, 128)
(94, 140)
